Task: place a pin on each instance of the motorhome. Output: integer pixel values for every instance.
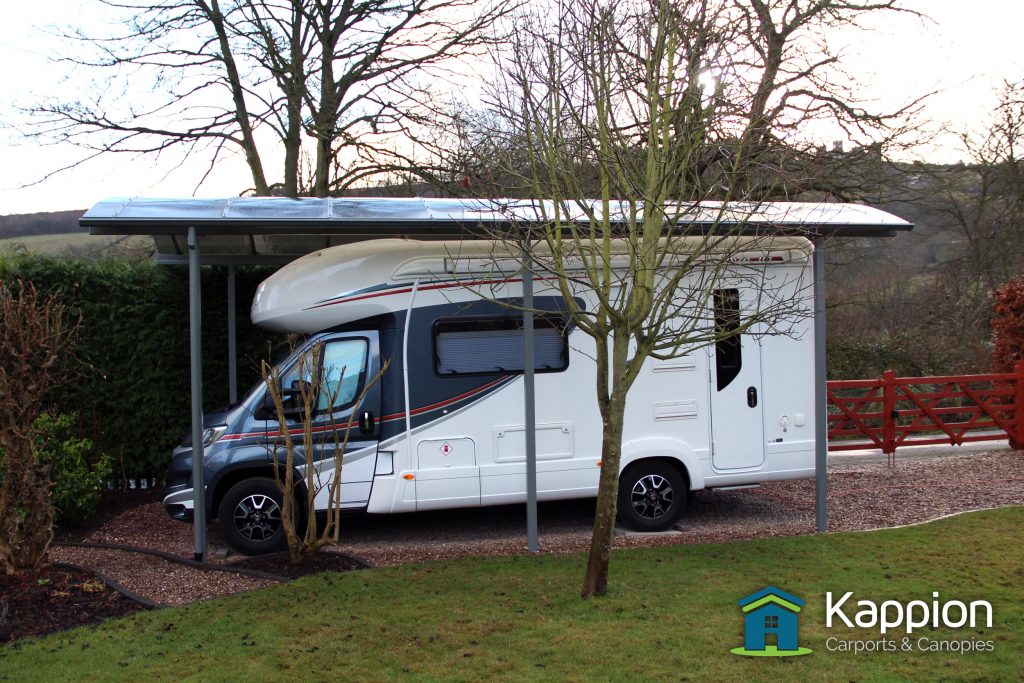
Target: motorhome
(445, 428)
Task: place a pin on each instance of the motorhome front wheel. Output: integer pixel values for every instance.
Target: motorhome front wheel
(250, 517)
(651, 496)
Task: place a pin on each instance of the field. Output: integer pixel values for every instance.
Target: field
(671, 614)
(79, 245)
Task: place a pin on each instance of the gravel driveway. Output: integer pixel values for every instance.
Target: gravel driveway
(862, 495)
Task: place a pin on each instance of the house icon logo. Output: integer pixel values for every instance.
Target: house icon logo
(771, 615)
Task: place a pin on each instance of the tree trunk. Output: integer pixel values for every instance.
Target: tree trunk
(595, 582)
(325, 118)
(241, 112)
(613, 413)
(296, 86)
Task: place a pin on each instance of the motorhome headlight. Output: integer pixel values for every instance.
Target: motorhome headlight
(211, 434)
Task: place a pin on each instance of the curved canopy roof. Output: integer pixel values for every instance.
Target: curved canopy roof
(277, 230)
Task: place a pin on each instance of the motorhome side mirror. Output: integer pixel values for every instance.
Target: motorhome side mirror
(265, 409)
(291, 400)
(366, 422)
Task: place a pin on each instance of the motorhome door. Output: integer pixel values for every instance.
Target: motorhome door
(342, 366)
(737, 426)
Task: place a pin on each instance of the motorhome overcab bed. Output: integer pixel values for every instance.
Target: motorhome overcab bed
(444, 427)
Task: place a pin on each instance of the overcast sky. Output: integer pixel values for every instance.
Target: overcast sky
(968, 50)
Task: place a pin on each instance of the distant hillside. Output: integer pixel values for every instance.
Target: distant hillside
(45, 223)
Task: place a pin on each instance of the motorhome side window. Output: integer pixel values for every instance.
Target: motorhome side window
(728, 349)
(342, 371)
(495, 345)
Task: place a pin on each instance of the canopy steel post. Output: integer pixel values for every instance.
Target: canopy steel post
(232, 340)
(529, 404)
(820, 397)
(196, 361)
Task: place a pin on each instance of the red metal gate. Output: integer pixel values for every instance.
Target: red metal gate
(892, 411)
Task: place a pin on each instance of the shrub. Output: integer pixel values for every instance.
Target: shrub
(867, 357)
(1008, 326)
(77, 484)
(36, 334)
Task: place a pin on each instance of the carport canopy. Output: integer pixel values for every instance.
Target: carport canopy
(274, 230)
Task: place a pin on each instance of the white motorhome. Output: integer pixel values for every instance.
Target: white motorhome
(444, 428)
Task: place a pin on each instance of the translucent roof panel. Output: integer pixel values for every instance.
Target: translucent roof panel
(382, 208)
(149, 209)
(278, 208)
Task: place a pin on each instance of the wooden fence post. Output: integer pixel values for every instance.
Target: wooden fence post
(1017, 437)
(889, 412)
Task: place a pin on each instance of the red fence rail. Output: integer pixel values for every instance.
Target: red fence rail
(891, 411)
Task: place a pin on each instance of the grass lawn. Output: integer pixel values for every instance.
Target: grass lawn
(672, 614)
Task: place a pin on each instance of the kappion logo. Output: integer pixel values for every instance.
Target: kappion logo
(771, 620)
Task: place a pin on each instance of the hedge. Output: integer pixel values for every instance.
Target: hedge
(131, 383)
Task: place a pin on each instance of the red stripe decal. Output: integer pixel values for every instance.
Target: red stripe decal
(404, 289)
(385, 418)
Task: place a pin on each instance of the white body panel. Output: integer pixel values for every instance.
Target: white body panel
(475, 455)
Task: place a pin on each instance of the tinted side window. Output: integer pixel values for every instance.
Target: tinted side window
(495, 345)
(728, 349)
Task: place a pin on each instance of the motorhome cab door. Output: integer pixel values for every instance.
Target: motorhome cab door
(737, 425)
(345, 365)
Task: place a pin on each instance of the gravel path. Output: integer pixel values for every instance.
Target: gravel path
(861, 496)
(163, 582)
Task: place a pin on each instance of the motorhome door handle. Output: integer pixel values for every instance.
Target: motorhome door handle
(752, 397)
(366, 422)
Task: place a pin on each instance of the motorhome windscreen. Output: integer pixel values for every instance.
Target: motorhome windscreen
(495, 345)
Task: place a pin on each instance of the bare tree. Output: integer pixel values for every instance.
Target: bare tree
(775, 81)
(212, 77)
(654, 108)
(611, 101)
(984, 199)
(313, 394)
(938, 314)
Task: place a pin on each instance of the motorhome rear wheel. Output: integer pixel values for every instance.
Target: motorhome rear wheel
(652, 495)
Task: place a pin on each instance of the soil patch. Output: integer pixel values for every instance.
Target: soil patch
(279, 564)
(54, 599)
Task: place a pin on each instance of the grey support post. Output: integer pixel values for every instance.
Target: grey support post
(232, 340)
(196, 362)
(820, 397)
(529, 404)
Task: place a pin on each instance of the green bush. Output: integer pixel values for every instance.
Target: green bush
(77, 482)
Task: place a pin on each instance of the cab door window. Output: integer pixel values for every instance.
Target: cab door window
(343, 373)
(338, 373)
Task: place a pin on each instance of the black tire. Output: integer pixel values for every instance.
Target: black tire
(652, 496)
(250, 517)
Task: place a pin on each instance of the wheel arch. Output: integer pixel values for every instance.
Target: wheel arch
(674, 463)
(676, 453)
(248, 471)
